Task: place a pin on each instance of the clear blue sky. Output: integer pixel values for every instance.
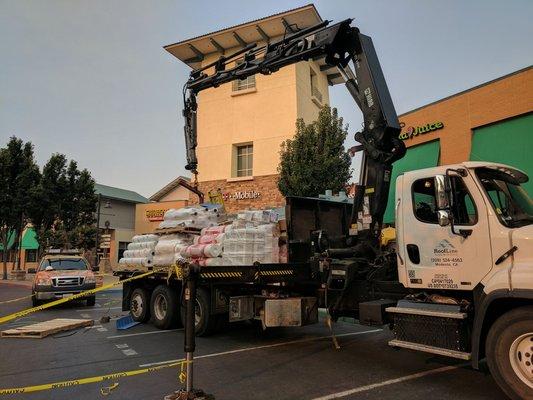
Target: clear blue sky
(90, 79)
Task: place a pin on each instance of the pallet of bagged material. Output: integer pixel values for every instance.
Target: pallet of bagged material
(46, 328)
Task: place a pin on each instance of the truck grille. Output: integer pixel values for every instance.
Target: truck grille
(67, 281)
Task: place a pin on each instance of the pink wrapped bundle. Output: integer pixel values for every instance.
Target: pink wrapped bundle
(213, 230)
(209, 238)
(202, 250)
(194, 251)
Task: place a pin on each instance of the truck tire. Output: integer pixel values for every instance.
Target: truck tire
(91, 301)
(509, 350)
(205, 322)
(34, 300)
(140, 305)
(164, 307)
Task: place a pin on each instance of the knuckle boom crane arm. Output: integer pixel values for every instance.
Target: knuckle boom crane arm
(340, 44)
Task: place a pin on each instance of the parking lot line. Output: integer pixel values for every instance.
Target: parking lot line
(388, 382)
(101, 309)
(143, 333)
(266, 346)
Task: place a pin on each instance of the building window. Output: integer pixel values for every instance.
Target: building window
(243, 84)
(31, 255)
(244, 160)
(122, 247)
(315, 93)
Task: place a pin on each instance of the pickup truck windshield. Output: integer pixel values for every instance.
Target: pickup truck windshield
(64, 264)
(510, 201)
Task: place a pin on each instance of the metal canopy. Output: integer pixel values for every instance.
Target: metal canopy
(195, 50)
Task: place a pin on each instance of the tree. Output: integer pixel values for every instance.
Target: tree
(315, 159)
(19, 174)
(66, 217)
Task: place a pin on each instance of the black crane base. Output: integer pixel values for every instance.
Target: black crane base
(195, 394)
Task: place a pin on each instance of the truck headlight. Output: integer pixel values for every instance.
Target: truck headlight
(44, 282)
(90, 279)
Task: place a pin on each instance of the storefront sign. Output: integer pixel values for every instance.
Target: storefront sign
(155, 215)
(251, 195)
(412, 131)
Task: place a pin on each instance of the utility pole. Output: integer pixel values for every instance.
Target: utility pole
(97, 230)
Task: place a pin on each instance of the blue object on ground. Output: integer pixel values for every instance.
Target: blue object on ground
(126, 322)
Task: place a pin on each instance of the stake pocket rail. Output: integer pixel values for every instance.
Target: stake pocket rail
(73, 297)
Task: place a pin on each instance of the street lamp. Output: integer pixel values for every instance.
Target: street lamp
(106, 205)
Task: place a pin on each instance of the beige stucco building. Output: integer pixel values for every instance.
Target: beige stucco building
(242, 124)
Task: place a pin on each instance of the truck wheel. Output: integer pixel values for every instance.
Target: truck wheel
(164, 307)
(139, 305)
(205, 322)
(509, 350)
(91, 301)
(34, 300)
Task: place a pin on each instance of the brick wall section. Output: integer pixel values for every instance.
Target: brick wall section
(502, 99)
(265, 187)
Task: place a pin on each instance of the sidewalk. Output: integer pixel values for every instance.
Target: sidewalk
(12, 282)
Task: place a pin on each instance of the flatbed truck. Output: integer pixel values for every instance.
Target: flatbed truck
(458, 282)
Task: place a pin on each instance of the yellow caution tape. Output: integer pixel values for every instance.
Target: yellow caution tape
(14, 300)
(92, 379)
(73, 297)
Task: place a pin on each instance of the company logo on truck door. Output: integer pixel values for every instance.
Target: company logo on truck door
(412, 131)
(444, 247)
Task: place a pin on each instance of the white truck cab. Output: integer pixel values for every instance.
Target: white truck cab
(466, 231)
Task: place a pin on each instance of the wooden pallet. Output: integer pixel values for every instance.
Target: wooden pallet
(178, 229)
(46, 328)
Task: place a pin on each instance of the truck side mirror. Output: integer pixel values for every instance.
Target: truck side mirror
(443, 217)
(441, 194)
(31, 270)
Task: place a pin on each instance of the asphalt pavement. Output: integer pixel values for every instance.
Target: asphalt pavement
(240, 363)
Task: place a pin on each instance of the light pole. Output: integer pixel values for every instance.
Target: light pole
(97, 230)
(96, 246)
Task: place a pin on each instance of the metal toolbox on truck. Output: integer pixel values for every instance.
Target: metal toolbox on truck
(293, 311)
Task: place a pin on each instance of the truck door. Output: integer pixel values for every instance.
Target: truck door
(436, 258)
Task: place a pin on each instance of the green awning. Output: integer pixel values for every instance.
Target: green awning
(29, 241)
(10, 241)
(424, 155)
(507, 142)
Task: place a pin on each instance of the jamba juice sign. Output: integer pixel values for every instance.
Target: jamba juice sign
(413, 131)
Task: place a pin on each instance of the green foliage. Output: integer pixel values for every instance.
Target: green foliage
(315, 159)
(66, 217)
(60, 202)
(19, 174)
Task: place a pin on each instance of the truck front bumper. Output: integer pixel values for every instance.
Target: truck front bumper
(53, 293)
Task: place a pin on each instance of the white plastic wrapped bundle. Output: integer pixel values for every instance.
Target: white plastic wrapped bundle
(166, 259)
(167, 246)
(144, 238)
(141, 253)
(141, 245)
(181, 213)
(140, 261)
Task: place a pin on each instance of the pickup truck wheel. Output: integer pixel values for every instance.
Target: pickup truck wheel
(34, 300)
(205, 322)
(509, 350)
(91, 301)
(139, 305)
(164, 307)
